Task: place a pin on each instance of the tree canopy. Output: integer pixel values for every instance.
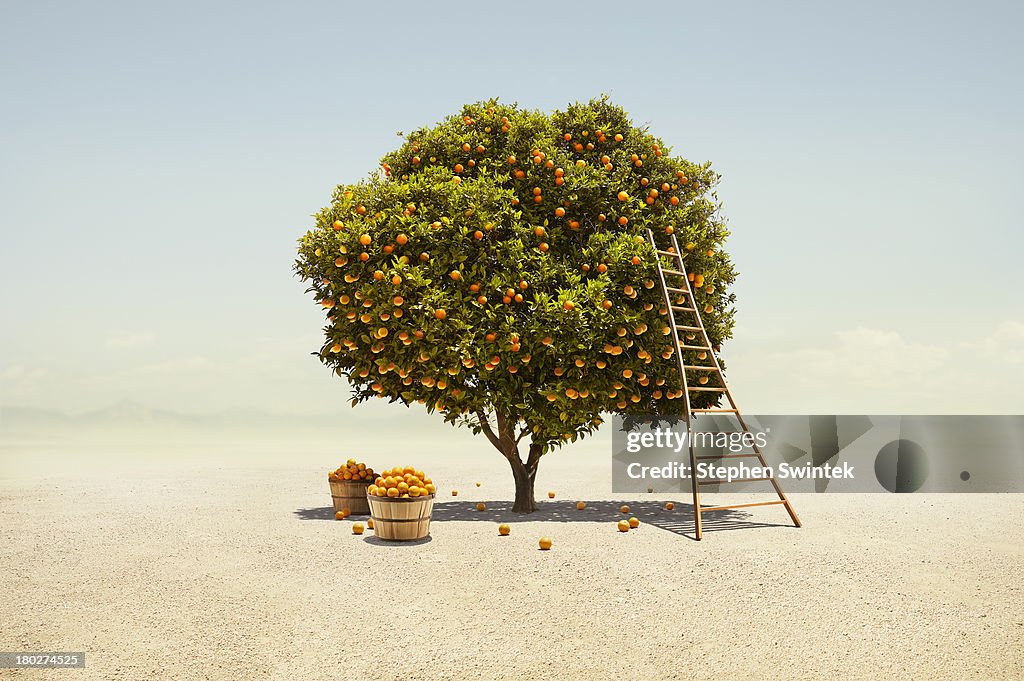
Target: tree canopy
(498, 264)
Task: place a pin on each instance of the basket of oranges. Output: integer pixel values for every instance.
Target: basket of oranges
(401, 501)
(348, 487)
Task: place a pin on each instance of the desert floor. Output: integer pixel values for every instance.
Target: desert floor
(196, 570)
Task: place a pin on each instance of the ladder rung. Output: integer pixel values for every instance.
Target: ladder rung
(669, 254)
(676, 272)
(715, 411)
(708, 390)
(723, 482)
(692, 347)
(705, 509)
(687, 328)
(684, 309)
(697, 368)
(709, 457)
(676, 290)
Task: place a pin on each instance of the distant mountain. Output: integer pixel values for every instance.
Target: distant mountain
(128, 415)
(32, 418)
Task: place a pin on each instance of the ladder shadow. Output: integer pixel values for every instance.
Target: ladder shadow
(678, 521)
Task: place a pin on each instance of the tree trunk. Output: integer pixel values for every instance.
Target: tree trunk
(524, 472)
(525, 503)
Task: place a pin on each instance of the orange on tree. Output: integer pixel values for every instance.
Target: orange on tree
(529, 413)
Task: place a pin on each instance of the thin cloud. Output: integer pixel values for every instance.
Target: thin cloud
(126, 340)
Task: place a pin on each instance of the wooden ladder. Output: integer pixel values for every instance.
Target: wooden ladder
(683, 300)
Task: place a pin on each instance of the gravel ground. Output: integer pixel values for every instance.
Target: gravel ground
(242, 573)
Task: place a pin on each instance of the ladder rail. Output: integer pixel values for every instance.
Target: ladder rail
(716, 367)
(728, 393)
(698, 531)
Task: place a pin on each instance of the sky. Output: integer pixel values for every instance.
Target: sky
(160, 160)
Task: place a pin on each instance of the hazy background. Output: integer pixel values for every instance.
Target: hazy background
(160, 160)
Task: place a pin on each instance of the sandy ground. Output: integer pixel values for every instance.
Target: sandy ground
(202, 572)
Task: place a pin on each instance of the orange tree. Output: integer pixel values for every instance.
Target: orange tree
(497, 270)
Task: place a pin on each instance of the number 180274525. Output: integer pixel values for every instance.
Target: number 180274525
(51, 660)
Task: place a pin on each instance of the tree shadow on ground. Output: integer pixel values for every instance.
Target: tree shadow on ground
(678, 521)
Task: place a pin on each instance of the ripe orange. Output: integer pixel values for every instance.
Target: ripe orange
(455, 275)
(580, 505)
(357, 528)
(365, 239)
(634, 523)
(544, 543)
(623, 220)
(440, 314)
(623, 196)
(455, 492)
(339, 516)
(369, 523)
(543, 247)
(504, 529)
(559, 212)
(618, 138)
(459, 168)
(624, 509)
(481, 506)
(623, 526)
(338, 226)
(669, 506)
(568, 305)
(551, 495)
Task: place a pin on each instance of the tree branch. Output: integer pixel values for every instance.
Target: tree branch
(533, 460)
(485, 425)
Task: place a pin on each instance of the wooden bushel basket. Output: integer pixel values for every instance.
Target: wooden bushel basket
(398, 519)
(350, 494)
